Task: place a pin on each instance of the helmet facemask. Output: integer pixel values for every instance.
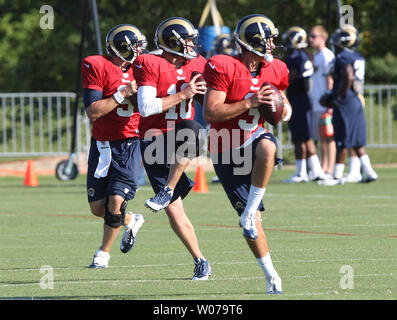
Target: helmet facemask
(259, 43)
(177, 36)
(179, 45)
(135, 49)
(189, 51)
(125, 42)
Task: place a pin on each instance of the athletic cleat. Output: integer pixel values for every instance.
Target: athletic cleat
(331, 182)
(160, 200)
(248, 223)
(100, 260)
(297, 179)
(367, 178)
(352, 178)
(215, 179)
(328, 176)
(318, 177)
(274, 286)
(130, 231)
(202, 269)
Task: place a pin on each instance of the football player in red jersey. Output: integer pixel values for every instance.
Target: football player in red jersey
(165, 101)
(114, 158)
(235, 91)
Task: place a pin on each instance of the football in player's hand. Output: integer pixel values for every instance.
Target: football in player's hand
(272, 113)
(198, 97)
(199, 79)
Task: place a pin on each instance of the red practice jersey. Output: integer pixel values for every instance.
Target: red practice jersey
(155, 71)
(100, 73)
(230, 74)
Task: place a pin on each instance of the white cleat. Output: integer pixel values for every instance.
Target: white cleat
(317, 177)
(331, 182)
(274, 285)
(297, 179)
(130, 231)
(369, 177)
(328, 176)
(352, 178)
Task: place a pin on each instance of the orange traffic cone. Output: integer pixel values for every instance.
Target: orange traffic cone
(31, 176)
(200, 181)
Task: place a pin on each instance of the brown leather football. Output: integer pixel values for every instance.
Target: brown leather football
(272, 114)
(194, 73)
(198, 97)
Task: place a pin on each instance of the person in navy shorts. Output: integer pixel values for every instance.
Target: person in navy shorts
(242, 150)
(114, 160)
(300, 66)
(166, 88)
(348, 104)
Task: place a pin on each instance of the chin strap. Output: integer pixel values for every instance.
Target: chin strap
(268, 57)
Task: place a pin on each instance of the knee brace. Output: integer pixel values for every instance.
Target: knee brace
(193, 139)
(115, 220)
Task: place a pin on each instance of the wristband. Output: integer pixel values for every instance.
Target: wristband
(289, 113)
(118, 97)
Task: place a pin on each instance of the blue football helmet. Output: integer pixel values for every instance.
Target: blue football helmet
(253, 32)
(345, 37)
(171, 36)
(126, 42)
(295, 38)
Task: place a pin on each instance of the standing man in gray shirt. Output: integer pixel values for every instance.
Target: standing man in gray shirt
(322, 82)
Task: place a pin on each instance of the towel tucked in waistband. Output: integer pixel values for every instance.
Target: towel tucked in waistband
(105, 158)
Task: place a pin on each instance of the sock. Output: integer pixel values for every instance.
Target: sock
(338, 170)
(354, 166)
(301, 167)
(314, 163)
(267, 266)
(255, 197)
(366, 164)
(102, 254)
(131, 219)
(133, 225)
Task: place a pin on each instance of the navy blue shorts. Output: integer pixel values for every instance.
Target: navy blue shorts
(300, 124)
(349, 123)
(122, 177)
(237, 184)
(157, 167)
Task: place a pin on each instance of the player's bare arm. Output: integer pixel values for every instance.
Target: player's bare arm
(100, 108)
(286, 116)
(330, 82)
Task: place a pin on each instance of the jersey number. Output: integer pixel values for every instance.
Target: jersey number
(185, 109)
(359, 68)
(250, 126)
(125, 109)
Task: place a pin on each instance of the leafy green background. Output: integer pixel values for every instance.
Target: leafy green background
(33, 59)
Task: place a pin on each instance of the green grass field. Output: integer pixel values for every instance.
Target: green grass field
(315, 234)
